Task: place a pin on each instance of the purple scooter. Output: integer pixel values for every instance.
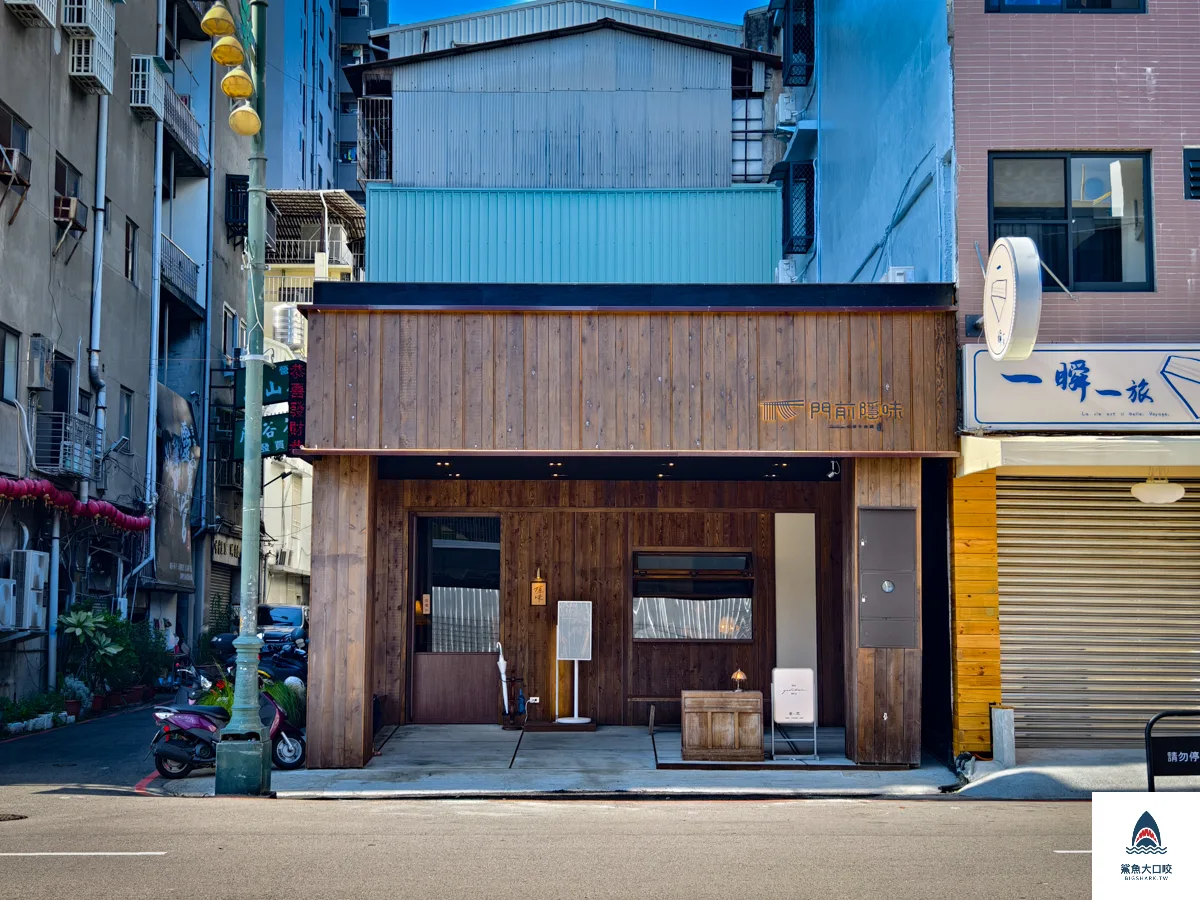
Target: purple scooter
(187, 737)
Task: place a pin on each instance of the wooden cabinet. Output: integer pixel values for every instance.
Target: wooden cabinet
(724, 726)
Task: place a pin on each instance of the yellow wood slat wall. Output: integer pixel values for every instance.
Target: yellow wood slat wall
(680, 381)
(976, 607)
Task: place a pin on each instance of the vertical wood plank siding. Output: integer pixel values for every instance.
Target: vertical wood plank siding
(975, 611)
(883, 685)
(391, 380)
(582, 536)
(343, 612)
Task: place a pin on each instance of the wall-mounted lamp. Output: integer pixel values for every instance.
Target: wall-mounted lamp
(537, 593)
(1157, 491)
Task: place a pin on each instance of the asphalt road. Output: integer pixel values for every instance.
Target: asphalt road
(106, 753)
(225, 848)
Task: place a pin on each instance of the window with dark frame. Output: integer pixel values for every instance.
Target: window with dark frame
(125, 417)
(131, 251)
(108, 215)
(1065, 6)
(229, 340)
(10, 354)
(1191, 173)
(1088, 212)
(66, 178)
(693, 595)
(85, 403)
(14, 133)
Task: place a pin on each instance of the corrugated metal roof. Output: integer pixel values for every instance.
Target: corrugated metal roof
(708, 236)
(529, 18)
(604, 109)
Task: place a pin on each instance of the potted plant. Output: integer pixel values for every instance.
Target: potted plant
(99, 702)
(91, 650)
(149, 645)
(76, 696)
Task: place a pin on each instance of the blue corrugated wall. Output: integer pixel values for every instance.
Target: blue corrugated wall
(725, 235)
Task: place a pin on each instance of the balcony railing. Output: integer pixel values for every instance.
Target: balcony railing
(288, 288)
(65, 444)
(185, 127)
(298, 252)
(179, 271)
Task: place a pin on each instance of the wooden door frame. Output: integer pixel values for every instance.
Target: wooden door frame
(411, 589)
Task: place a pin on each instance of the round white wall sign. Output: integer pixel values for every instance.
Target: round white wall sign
(1012, 298)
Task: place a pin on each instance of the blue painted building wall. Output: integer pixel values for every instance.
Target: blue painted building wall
(885, 140)
(700, 236)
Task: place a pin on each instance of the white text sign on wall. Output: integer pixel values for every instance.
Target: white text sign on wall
(1084, 387)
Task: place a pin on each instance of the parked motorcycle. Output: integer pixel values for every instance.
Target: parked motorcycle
(187, 737)
(289, 661)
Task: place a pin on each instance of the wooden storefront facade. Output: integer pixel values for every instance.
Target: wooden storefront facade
(428, 405)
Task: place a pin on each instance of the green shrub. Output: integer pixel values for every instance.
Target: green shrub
(292, 704)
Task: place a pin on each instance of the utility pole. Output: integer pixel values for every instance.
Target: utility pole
(244, 753)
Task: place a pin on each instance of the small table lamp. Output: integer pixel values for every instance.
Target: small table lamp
(738, 678)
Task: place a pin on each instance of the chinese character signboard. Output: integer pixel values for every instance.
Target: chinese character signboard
(276, 381)
(297, 399)
(274, 436)
(227, 550)
(1080, 387)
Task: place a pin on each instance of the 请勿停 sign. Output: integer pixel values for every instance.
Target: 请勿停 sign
(1081, 387)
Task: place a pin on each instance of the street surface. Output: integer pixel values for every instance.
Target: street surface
(75, 786)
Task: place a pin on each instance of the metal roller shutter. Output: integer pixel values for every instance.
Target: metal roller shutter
(222, 587)
(1099, 609)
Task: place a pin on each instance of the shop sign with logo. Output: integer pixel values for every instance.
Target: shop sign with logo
(227, 550)
(1012, 298)
(1084, 387)
(1143, 844)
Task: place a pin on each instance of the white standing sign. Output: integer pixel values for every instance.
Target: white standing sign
(574, 643)
(1084, 387)
(1012, 298)
(794, 702)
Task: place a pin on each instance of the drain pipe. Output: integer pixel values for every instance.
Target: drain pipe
(201, 594)
(155, 311)
(98, 287)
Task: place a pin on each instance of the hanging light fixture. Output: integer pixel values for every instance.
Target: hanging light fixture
(218, 21)
(228, 52)
(237, 84)
(1157, 489)
(244, 120)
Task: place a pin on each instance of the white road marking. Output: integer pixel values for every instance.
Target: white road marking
(1072, 851)
(72, 853)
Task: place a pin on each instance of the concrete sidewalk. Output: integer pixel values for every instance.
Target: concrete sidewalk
(1066, 775)
(486, 762)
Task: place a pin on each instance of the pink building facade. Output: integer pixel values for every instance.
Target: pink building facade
(1087, 82)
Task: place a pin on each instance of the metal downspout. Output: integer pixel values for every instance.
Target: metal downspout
(155, 309)
(201, 571)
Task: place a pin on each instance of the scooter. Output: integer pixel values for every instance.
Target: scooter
(187, 737)
(289, 661)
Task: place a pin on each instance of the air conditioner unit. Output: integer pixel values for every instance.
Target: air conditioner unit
(75, 458)
(15, 166)
(339, 246)
(357, 53)
(41, 363)
(71, 213)
(283, 558)
(8, 603)
(785, 272)
(147, 87)
(30, 571)
(786, 114)
(289, 327)
(900, 275)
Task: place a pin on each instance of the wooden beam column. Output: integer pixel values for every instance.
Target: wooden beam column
(341, 613)
(883, 684)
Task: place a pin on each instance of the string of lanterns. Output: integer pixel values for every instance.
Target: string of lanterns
(30, 489)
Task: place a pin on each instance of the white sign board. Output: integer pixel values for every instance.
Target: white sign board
(793, 698)
(575, 629)
(227, 550)
(1012, 298)
(1084, 387)
(1144, 844)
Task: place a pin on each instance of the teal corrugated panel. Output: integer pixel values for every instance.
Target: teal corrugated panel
(701, 236)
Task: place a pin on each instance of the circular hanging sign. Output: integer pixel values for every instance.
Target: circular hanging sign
(1012, 298)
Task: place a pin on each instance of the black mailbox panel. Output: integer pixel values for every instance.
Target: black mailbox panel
(887, 578)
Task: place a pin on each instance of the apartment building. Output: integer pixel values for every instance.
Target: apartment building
(122, 294)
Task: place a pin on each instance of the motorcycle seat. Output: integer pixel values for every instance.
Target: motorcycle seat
(213, 712)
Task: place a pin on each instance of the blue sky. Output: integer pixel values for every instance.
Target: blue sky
(403, 11)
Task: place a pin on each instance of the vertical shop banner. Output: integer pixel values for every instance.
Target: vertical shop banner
(178, 463)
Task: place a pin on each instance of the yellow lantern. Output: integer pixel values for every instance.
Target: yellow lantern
(244, 120)
(218, 21)
(237, 84)
(228, 52)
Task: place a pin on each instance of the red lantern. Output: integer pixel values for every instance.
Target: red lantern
(93, 508)
(4, 487)
(78, 508)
